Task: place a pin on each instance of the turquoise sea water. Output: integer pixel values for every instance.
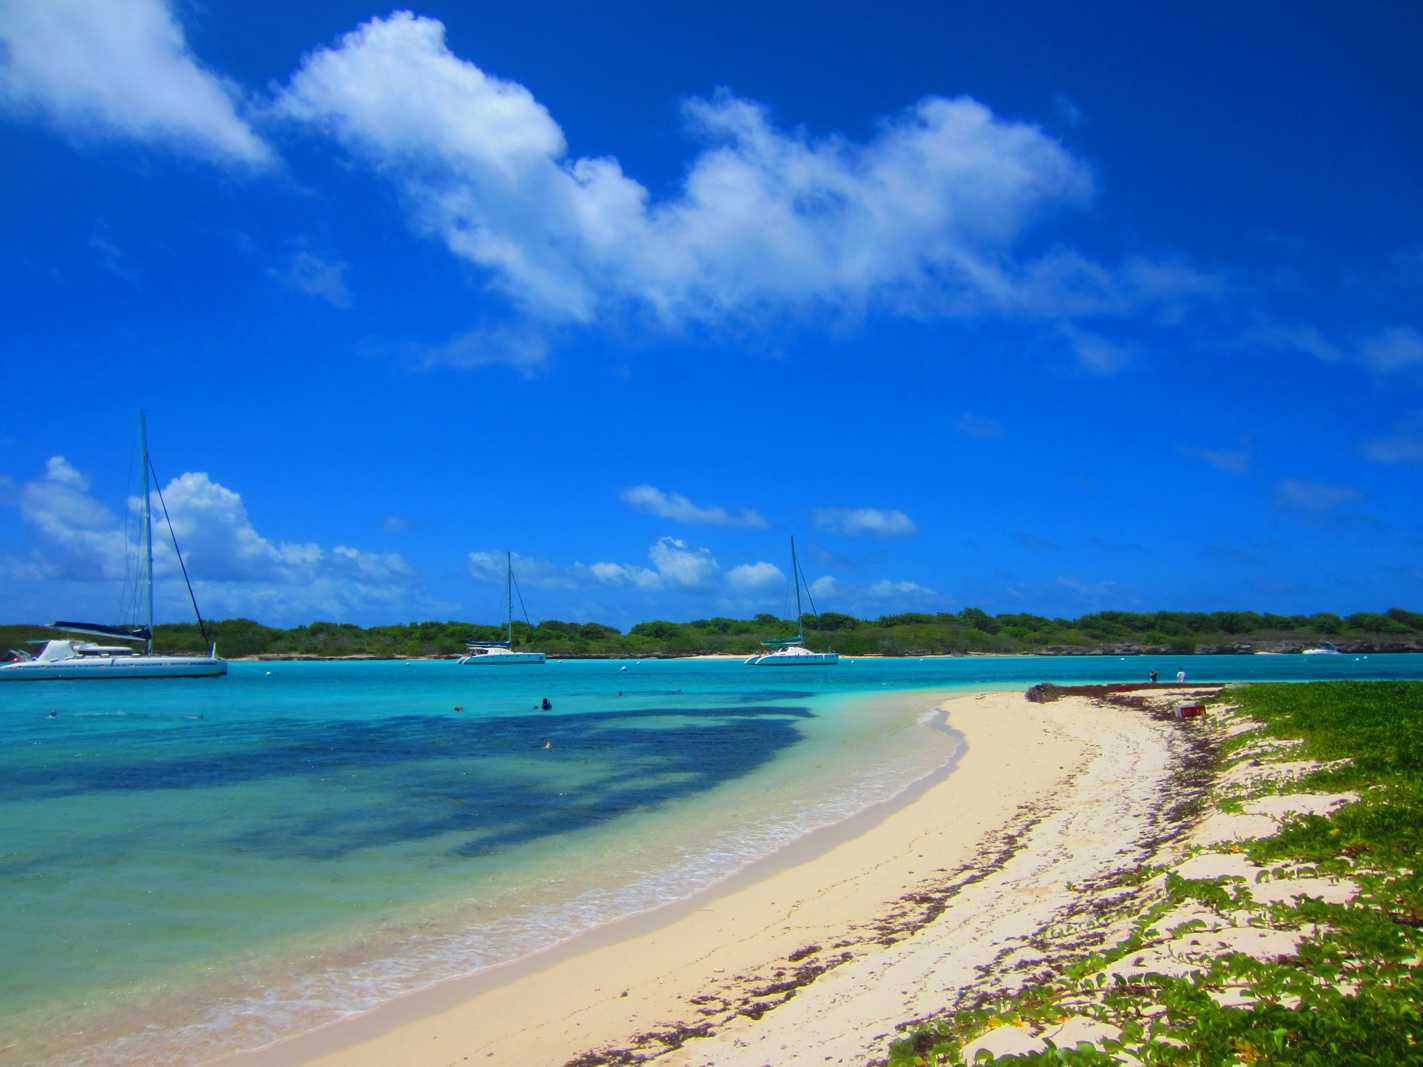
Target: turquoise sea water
(190, 867)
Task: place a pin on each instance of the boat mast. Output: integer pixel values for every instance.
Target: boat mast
(147, 533)
(795, 577)
(509, 592)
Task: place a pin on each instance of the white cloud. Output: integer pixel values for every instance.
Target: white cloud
(395, 523)
(887, 589)
(82, 537)
(680, 564)
(626, 574)
(756, 576)
(675, 565)
(60, 470)
(825, 585)
(921, 217)
(856, 521)
(1312, 496)
(316, 276)
(1396, 348)
(234, 567)
(678, 508)
(218, 538)
(105, 69)
(980, 426)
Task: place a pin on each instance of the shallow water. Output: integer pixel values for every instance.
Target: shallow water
(188, 867)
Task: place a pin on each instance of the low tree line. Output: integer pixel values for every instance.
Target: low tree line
(908, 634)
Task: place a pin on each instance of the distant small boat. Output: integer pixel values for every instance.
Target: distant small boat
(791, 652)
(64, 659)
(1322, 650)
(500, 653)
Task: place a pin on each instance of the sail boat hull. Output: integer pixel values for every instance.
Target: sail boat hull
(63, 660)
(114, 668)
(501, 657)
(794, 657)
(501, 653)
(792, 651)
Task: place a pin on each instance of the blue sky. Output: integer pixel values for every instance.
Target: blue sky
(1028, 308)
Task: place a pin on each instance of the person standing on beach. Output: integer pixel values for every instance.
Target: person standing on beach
(1180, 676)
(1151, 677)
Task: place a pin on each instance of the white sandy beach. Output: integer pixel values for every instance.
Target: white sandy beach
(1072, 783)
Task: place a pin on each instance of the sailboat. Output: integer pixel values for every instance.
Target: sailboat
(791, 651)
(501, 653)
(63, 658)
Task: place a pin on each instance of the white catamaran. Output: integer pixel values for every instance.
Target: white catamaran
(61, 659)
(501, 653)
(791, 652)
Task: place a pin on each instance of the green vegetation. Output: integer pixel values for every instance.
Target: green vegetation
(908, 634)
(1353, 990)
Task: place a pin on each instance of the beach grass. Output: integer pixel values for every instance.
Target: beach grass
(1350, 989)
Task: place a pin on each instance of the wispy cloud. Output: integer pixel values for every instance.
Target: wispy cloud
(490, 567)
(1092, 592)
(979, 426)
(109, 255)
(321, 277)
(1298, 337)
(1096, 354)
(105, 70)
(1402, 446)
(1037, 543)
(1229, 460)
(831, 594)
(675, 506)
(520, 347)
(1384, 351)
(1393, 349)
(1313, 496)
(883, 522)
(1067, 108)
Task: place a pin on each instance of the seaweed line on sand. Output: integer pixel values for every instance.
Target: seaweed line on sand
(1085, 922)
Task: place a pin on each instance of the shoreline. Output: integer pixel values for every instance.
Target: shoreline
(743, 954)
(1102, 653)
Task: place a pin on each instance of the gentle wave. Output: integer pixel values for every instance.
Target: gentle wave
(335, 993)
